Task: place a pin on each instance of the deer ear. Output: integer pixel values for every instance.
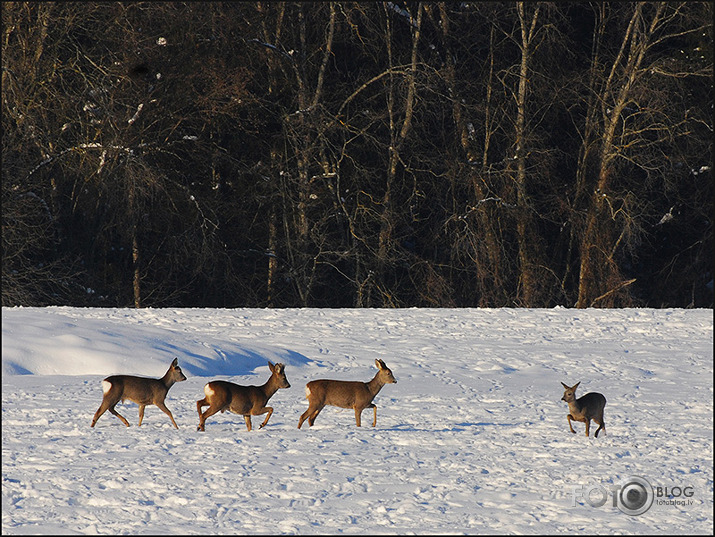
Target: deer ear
(175, 362)
(576, 385)
(564, 385)
(271, 366)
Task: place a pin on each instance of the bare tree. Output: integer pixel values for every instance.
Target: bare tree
(624, 124)
(357, 154)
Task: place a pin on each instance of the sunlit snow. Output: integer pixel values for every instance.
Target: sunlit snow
(473, 438)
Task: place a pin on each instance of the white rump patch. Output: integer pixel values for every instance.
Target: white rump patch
(307, 392)
(106, 386)
(208, 390)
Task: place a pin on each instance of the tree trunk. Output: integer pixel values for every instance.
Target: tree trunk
(136, 281)
(527, 287)
(599, 274)
(397, 139)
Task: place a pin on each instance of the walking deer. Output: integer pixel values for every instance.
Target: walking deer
(586, 408)
(246, 400)
(141, 390)
(345, 394)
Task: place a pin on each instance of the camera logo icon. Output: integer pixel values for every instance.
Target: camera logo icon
(635, 496)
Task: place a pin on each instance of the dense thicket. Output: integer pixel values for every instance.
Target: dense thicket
(357, 154)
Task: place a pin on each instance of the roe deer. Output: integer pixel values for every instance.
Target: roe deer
(345, 394)
(245, 400)
(141, 390)
(586, 408)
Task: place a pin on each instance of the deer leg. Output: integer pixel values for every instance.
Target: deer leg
(309, 415)
(314, 415)
(108, 402)
(588, 425)
(202, 417)
(264, 410)
(358, 411)
(141, 414)
(111, 409)
(247, 417)
(101, 410)
(570, 417)
(303, 417)
(162, 406)
(601, 426)
(374, 417)
(200, 404)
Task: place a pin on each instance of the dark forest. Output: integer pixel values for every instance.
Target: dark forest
(368, 154)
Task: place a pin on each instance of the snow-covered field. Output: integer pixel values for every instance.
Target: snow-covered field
(473, 438)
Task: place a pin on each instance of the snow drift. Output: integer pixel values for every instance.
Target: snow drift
(472, 439)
